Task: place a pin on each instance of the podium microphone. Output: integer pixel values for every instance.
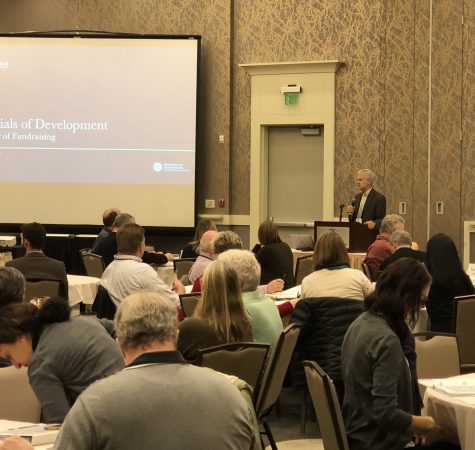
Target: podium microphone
(342, 205)
(353, 203)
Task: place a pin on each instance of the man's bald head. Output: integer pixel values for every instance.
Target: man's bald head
(109, 216)
(206, 242)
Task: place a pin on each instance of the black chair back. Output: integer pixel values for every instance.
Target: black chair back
(103, 306)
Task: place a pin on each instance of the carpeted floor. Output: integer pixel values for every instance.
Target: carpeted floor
(287, 427)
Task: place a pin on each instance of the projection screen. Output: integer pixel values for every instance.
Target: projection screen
(89, 123)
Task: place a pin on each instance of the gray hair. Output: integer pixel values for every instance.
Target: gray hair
(368, 174)
(144, 318)
(401, 238)
(389, 223)
(12, 286)
(122, 219)
(246, 266)
(226, 240)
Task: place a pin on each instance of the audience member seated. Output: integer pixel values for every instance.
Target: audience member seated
(381, 249)
(381, 407)
(274, 256)
(35, 265)
(224, 240)
(401, 243)
(333, 276)
(448, 281)
(12, 290)
(64, 356)
(227, 240)
(265, 318)
(220, 316)
(12, 286)
(205, 257)
(128, 274)
(108, 218)
(191, 250)
(178, 405)
(323, 322)
(108, 247)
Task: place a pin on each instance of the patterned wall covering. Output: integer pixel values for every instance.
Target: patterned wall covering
(350, 31)
(398, 67)
(468, 113)
(382, 91)
(421, 120)
(446, 148)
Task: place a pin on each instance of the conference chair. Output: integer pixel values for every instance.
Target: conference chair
(245, 360)
(182, 266)
(103, 306)
(437, 356)
(41, 288)
(464, 319)
(323, 324)
(366, 270)
(274, 376)
(93, 263)
(303, 268)
(18, 401)
(327, 408)
(188, 303)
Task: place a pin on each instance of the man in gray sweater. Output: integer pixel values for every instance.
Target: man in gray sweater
(158, 401)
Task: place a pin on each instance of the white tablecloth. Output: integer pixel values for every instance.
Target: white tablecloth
(456, 415)
(82, 289)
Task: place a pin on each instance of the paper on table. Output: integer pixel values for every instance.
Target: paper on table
(289, 293)
(35, 433)
(455, 386)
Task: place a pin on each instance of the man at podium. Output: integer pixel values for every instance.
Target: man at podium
(368, 206)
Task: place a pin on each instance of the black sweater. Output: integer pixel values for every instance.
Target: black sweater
(276, 261)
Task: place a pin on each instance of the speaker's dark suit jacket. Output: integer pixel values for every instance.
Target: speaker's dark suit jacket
(403, 252)
(37, 266)
(374, 208)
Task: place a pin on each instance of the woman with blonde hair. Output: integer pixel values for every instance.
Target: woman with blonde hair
(333, 276)
(220, 316)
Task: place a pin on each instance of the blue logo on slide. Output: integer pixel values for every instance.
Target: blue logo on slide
(157, 167)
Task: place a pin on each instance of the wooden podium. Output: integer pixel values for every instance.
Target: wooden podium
(356, 236)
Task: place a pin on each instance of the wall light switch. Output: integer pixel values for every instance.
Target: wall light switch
(221, 138)
(209, 203)
(402, 208)
(439, 208)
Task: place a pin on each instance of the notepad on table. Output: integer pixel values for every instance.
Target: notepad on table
(35, 434)
(455, 386)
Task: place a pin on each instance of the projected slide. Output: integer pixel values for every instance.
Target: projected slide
(99, 111)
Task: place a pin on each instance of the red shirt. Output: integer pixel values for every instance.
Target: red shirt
(377, 252)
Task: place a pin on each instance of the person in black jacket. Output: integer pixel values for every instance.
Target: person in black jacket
(368, 206)
(274, 256)
(35, 265)
(402, 243)
(107, 248)
(323, 322)
(448, 281)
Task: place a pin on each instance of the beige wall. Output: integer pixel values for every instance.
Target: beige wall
(383, 119)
